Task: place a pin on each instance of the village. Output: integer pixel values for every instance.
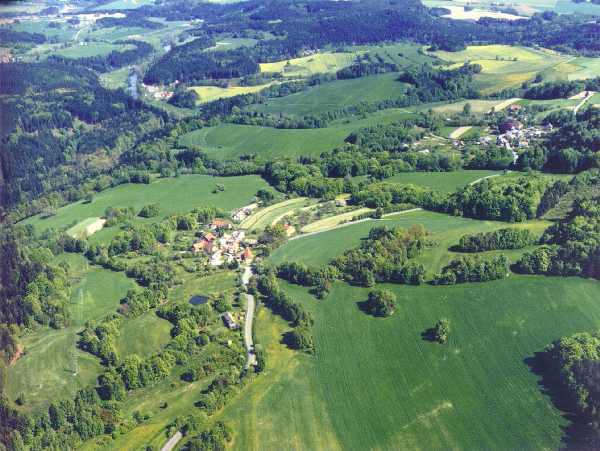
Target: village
(224, 245)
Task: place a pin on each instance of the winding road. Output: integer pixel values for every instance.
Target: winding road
(248, 343)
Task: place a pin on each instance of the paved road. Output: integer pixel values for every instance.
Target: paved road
(250, 307)
(347, 224)
(172, 442)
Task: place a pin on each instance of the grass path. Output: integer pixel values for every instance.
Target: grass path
(460, 131)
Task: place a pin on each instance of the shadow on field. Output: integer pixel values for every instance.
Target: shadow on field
(429, 334)
(549, 384)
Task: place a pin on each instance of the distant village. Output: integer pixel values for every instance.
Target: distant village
(512, 133)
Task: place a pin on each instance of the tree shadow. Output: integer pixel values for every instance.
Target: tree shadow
(429, 334)
(550, 385)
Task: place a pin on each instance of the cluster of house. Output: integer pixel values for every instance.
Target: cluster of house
(514, 134)
(224, 245)
(242, 213)
(158, 93)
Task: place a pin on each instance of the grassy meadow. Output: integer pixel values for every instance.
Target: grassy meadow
(91, 49)
(174, 195)
(228, 141)
(337, 94)
(305, 66)
(52, 367)
(376, 384)
(210, 93)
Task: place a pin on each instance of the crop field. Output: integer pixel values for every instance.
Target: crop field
(313, 64)
(460, 13)
(210, 93)
(175, 195)
(505, 66)
(232, 140)
(427, 395)
(336, 94)
(477, 106)
(91, 49)
(442, 181)
(52, 366)
(266, 216)
(333, 221)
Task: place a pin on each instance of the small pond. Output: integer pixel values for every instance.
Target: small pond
(198, 300)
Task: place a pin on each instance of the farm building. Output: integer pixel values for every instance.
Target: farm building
(230, 322)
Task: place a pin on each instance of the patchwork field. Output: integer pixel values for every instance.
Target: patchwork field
(175, 195)
(308, 65)
(267, 216)
(335, 95)
(506, 66)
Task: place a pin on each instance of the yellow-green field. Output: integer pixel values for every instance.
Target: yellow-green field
(333, 221)
(312, 64)
(505, 66)
(268, 215)
(210, 93)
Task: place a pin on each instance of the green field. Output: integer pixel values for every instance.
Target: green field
(91, 49)
(446, 230)
(336, 94)
(47, 370)
(505, 66)
(143, 335)
(228, 43)
(175, 195)
(443, 181)
(64, 33)
(124, 4)
(376, 384)
(312, 64)
(231, 140)
(210, 93)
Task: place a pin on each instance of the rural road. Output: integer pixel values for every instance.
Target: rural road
(250, 304)
(347, 224)
(585, 98)
(170, 445)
